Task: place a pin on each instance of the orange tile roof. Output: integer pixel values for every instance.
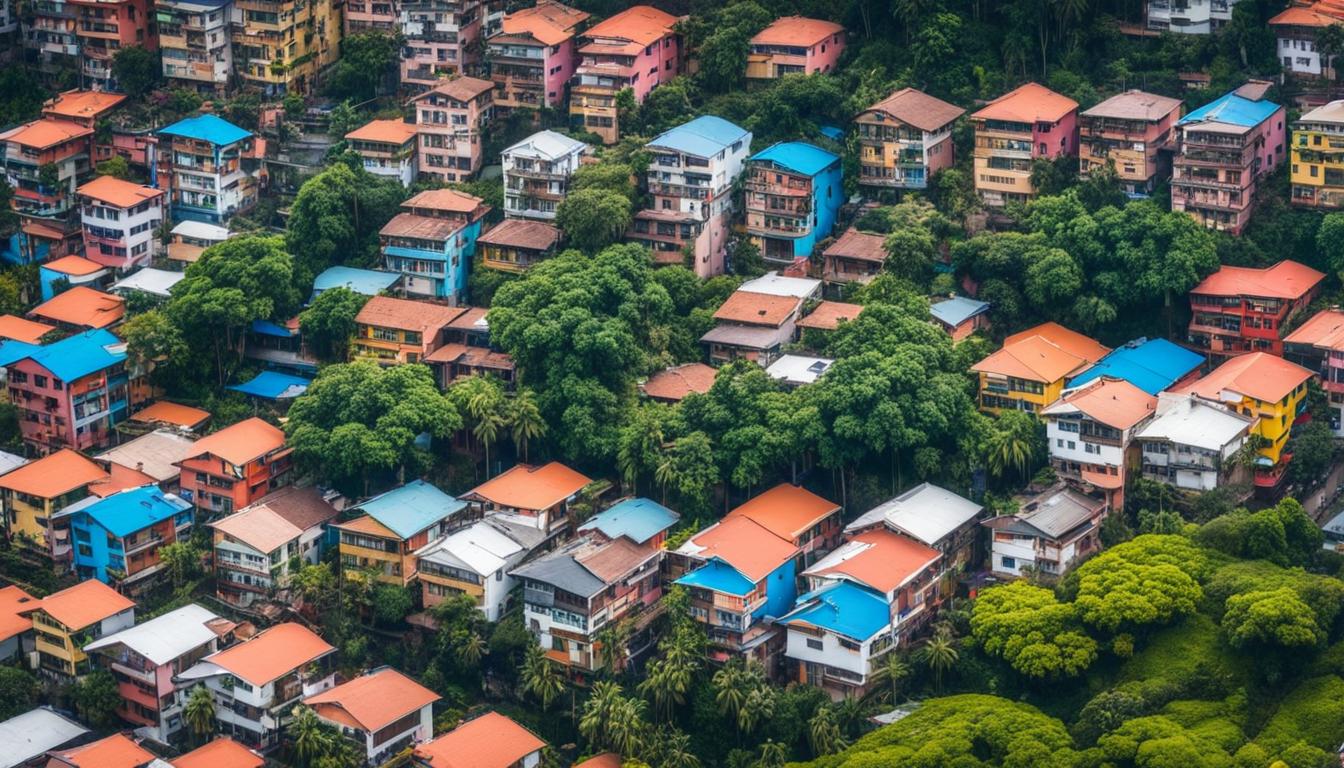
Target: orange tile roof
(1324, 330)
(1110, 401)
(449, 200)
(490, 741)
(406, 314)
(120, 479)
(1070, 341)
(44, 133)
(604, 760)
(925, 112)
(757, 308)
(786, 510)
(223, 752)
(84, 604)
(639, 24)
(882, 559)
(366, 524)
(549, 22)
(21, 329)
(532, 488)
(272, 654)
(242, 442)
(172, 413)
(462, 88)
(797, 31)
(1046, 353)
(747, 546)
(53, 475)
(1102, 479)
(1285, 280)
(82, 104)
(1312, 15)
(854, 244)
(1028, 103)
(15, 605)
(372, 701)
(82, 306)
(384, 132)
(828, 314)
(1258, 375)
(74, 265)
(522, 233)
(115, 751)
(679, 381)
(118, 192)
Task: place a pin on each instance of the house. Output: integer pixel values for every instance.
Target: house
(148, 282)
(1296, 31)
(117, 539)
(115, 751)
(1244, 309)
(196, 43)
(905, 139)
(442, 38)
(15, 328)
(432, 242)
(1029, 370)
(393, 331)
(144, 658)
(391, 527)
(960, 316)
(365, 282)
(1047, 536)
(105, 28)
(65, 621)
(16, 626)
(513, 245)
(1135, 131)
(863, 600)
(1197, 18)
(235, 466)
(222, 752)
(34, 493)
(672, 385)
(121, 221)
(61, 274)
(256, 683)
(1029, 123)
(80, 308)
(387, 148)
(533, 55)
(1224, 148)
(793, 195)
(828, 315)
(489, 741)
(690, 182)
(793, 45)
(1090, 432)
(1318, 345)
(475, 561)
(170, 415)
(934, 517)
(450, 124)
(384, 711)
(1193, 444)
(854, 257)
(537, 171)
(797, 370)
(279, 54)
(467, 351)
(43, 200)
(1152, 365)
(191, 238)
(757, 319)
(1317, 164)
(213, 166)
(153, 454)
(531, 496)
(29, 736)
(259, 548)
(638, 48)
(281, 346)
(113, 136)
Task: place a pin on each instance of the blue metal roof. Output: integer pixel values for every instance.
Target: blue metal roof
(718, 576)
(71, 357)
(368, 282)
(268, 328)
(1152, 365)
(273, 385)
(799, 157)
(834, 133)
(636, 519)
(844, 608)
(135, 509)
(957, 310)
(1234, 109)
(704, 136)
(411, 508)
(211, 128)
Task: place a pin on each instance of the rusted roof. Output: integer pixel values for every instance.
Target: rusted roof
(272, 654)
(82, 306)
(406, 314)
(373, 701)
(1285, 280)
(522, 233)
(912, 107)
(757, 308)
(532, 488)
(1028, 103)
(490, 741)
(53, 475)
(679, 381)
(119, 193)
(396, 132)
(242, 442)
(854, 244)
(614, 559)
(1257, 375)
(828, 314)
(84, 604)
(797, 31)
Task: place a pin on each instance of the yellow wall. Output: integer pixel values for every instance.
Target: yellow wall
(1275, 420)
(385, 560)
(476, 591)
(1050, 394)
(1317, 151)
(23, 519)
(54, 639)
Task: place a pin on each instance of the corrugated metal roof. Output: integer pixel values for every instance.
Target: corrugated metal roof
(843, 608)
(136, 509)
(957, 310)
(411, 508)
(367, 282)
(636, 519)
(718, 576)
(705, 136)
(798, 156)
(1232, 109)
(1152, 365)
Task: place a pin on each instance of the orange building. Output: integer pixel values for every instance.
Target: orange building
(1130, 129)
(1244, 309)
(1026, 124)
(536, 497)
(45, 161)
(235, 466)
(1029, 371)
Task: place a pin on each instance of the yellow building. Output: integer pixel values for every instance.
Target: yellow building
(1318, 157)
(35, 492)
(392, 331)
(1029, 371)
(66, 621)
(392, 527)
(281, 45)
(1271, 390)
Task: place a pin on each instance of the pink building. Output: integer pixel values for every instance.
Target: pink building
(1026, 124)
(442, 39)
(534, 55)
(638, 49)
(370, 15)
(106, 27)
(793, 45)
(449, 121)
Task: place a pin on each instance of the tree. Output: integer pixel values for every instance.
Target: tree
(368, 60)
(155, 343)
(593, 218)
(540, 677)
(336, 217)
(18, 692)
(391, 603)
(136, 70)
(823, 733)
(1030, 629)
(939, 654)
(115, 166)
(1271, 619)
(891, 671)
(9, 218)
(1013, 444)
(342, 119)
(97, 698)
(309, 738)
(1330, 43)
(182, 559)
(523, 416)
(486, 409)
(1143, 582)
(328, 324)
(199, 713)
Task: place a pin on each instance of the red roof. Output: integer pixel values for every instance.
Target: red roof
(1028, 103)
(223, 752)
(679, 381)
(85, 105)
(272, 654)
(395, 132)
(797, 31)
(490, 741)
(118, 192)
(84, 604)
(15, 605)
(1113, 402)
(827, 315)
(640, 24)
(373, 701)
(532, 488)
(242, 442)
(1285, 280)
(879, 558)
(53, 475)
(854, 244)
(406, 315)
(1325, 330)
(82, 306)
(1257, 375)
(1046, 353)
(786, 510)
(462, 88)
(449, 200)
(750, 548)
(757, 308)
(116, 751)
(19, 329)
(44, 133)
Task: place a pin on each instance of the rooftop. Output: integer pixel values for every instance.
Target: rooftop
(1059, 511)
(34, 733)
(776, 284)
(1047, 353)
(919, 109)
(527, 487)
(395, 132)
(1257, 375)
(118, 193)
(636, 519)
(1029, 103)
(490, 741)
(481, 548)
(53, 475)
(757, 308)
(128, 511)
(71, 358)
(45, 133)
(15, 328)
(1189, 420)
(797, 156)
(563, 570)
(276, 518)
(201, 230)
(1152, 365)
(273, 385)
(367, 282)
(786, 510)
(158, 282)
(82, 306)
(154, 453)
(115, 751)
(85, 604)
(1135, 105)
(717, 575)
(411, 508)
(208, 128)
(461, 88)
(223, 752)
(15, 605)
(549, 22)
(547, 145)
(1306, 15)
(1113, 402)
(705, 137)
(750, 549)
(445, 200)
(677, 382)
(415, 226)
(406, 314)
(749, 336)
(828, 315)
(797, 31)
(242, 442)
(864, 246)
(82, 105)
(372, 701)
(926, 513)
(1332, 112)
(174, 414)
(640, 24)
(957, 310)
(1232, 109)
(1284, 280)
(1324, 330)
(165, 638)
(799, 369)
(843, 608)
(522, 233)
(75, 266)
(877, 558)
(270, 655)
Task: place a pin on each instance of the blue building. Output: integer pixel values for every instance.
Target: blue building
(117, 539)
(432, 242)
(216, 170)
(1153, 365)
(793, 193)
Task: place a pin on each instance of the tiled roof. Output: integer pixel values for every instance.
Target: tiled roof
(490, 741)
(223, 752)
(82, 104)
(373, 701)
(462, 89)
(677, 382)
(1046, 353)
(53, 475)
(16, 328)
(749, 547)
(919, 109)
(641, 24)
(175, 414)
(1135, 105)
(1028, 103)
(15, 605)
(272, 654)
(797, 31)
(120, 193)
(396, 132)
(1324, 330)
(756, 308)
(828, 314)
(277, 518)
(786, 510)
(44, 133)
(76, 266)
(854, 244)
(84, 604)
(549, 22)
(406, 314)
(1303, 16)
(115, 751)
(532, 488)
(1285, 280)
(877, 558)
(1257, 375)
(1113, 402)
(82, 306)
(522, 233)
(242, 442)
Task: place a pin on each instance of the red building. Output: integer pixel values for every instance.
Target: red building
(1243, 309)
(106, 26)
(235, 466)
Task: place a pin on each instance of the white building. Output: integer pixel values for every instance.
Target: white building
(1090, 430)
(195, 41)
(384, 711)
(121, 221)
(1047, 535)
(796, 370)
(537, 171)
(217, 168)
(1295, 31)
(1191, 443)
(254, 547)
(480, 555)
(775, 284)
(1190, 17)
(933, 516)
(148, 280)
(387, 148)
(191, 238)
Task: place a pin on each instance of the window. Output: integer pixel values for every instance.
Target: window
(814, 644)
(1009, 563)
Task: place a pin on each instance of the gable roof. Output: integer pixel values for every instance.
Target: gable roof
(175, 414)
(481, 547)
(17, 328)
(74, 356)
(461, 88)
(1257, 375)
(1232, 109)
(167, 637)
(640, 24)
(406, 314)
(1046, 353)
(636, 519)
(549, 22)
(705, 136)
(844, 609)
(1029, 103)
(223, 752)
(118, 192)
(797, 156)
(273, 653)
(957, 310)
(396, 132)
(919, 109)
(15, 605)
(757, 308)
(827, 315)
(854, 244)
(1054, 513)
(411, 508)
(44, 133)
(1152, 365)
(86, 603)
(372, 701)
(1135, 105)
(1324, 330)
(154, 453)
(1113, 402)
(1284, 280)
(786, 510)
(75, 266)
(277, 517)
(546, 144)
(53, 475)
(240, 443)
(209, 128)
(81, 305)
(740, 542)
(1190, 420)
(677, 382)
(29, 735)
(562, 569)
(449, 200)
(133, 509)
(490, 741)
(878, 559)
(532, 488)
(927, 513)
(115, 751)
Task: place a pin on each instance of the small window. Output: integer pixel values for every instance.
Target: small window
(814, 644)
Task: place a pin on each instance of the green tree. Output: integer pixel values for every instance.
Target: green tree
(18, 692)
(938, 653)
(96, 698)
(823, 733)
(593, 218)
(309, 738)
(523, 415)
(1330, 43)
(1014, 444)
(199, 713)
(182, 559)
(368, 62)
(1271, 619)
(336, 216)
(328, 324)
(1030, 629)
(342, 119)
(890, 673)
(540, 677)
(1147, 581)
(391, 603)
(155, 344)
(136, 70)
(115, 166)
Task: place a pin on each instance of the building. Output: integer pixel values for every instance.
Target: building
(690, 180)
(672, 385)
(432, 242)
(147, 282)
(514, 245)
(1047, 536)
(827, 316)
(639, 49)
(121, 221)
(450, 123)
(144, 658)
(1152, 365)
(117, 539)
(1224, 148)
(1318, 345)
(70, 271)
(1029, 370)
(106, 27)
(533, 56)
(45, 199)
(752, 326)
(529, 496)
(196, 43)
(391, 527)
(365, 282)
(960, 316)
(1090, 432)
(214, 167)
(383, 711)
(905, 139)
(393, 331)
(442, 38)
(854, 257)
(1029, 123)
(35, 493)
(236, 466)
(797, 370)
(1244, 309)
(467, 351)
(793, 45)
(793, 195)
(280, 47)
(115, 751)
(1135, 131)
(489, 741)
(537, 171)
(1296, 30)
(165, 414)
(153, 456)
(16, 626)
(387, 148)
(29, 736)
(256, 683)
(475, 561)
(1198, 17)
(15, 328)
(1318, 157)
(190, 239)
(259, 548)
(81, 308)
(64, 622)
(222, 752)
(371, 17)
(1192, 443)
(934, 517)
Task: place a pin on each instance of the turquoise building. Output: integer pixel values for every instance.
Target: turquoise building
(793, 194)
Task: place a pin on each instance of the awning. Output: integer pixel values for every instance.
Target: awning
(272, 385)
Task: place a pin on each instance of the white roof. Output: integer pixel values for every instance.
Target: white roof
(150, 280)
(777, 285)
(10, 462)
(153, 453)
(165, 638)
(482, 548)
(1191, 420)
(925, 513)
(201, 231)
(548, 145)
(799, 369)
(24, 737)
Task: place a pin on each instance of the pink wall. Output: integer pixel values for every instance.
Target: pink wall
(1060, 140)
(564, 61)
(660, 56)
(1276, 137)
(824, 61)
(63, 410)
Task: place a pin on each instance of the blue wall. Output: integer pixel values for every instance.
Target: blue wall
(781, 592)
(453, 283)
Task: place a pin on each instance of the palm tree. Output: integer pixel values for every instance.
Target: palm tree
(823, 733)
(1009, 448)
(892, 671)
(540, 677)
(939, 654)
(758, 707)
(773, 755)
(627, 729)
(598, 712)
(666, 472)
(199, 712)
(484, 408)
(525, 421)
(730, 691)
(470, 651)
(674, 750)
(306, 733)
(612, 639)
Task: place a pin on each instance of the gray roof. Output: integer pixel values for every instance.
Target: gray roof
(926, 513)
(24, 737)
(1135, 105)
(561, 570)
(752, 336)
(1058, 511)
(166, 637)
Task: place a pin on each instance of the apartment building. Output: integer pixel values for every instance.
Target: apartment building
(389, 528)
(280, 45)
(45, 199)
(117, 538)
(759, 318)
(1133, 130)
(50, 35)
(432, 242)
(65, 621)
(535, 497)
(80, 308)
(1318, 345)
(190, 239)
(450, 123)
(516, 244)
(393, 331)
(121, 221)
(905, 139)
(935, 517)
(1029, 371)
(1029, 123)
(442, 38)
(793, 45)
(1047, 536)
(387, 148)
(1317, 172)
(1189, 17)
(256, 547)
(638, 49)
(1296, 31)
(369, 16)
(690, 181)
(1244, 309)
(1192, 443)
(534, 55)
(793, 195)
(467, 351)
(236, 466)
(196, 43)
(1224, 148)
(1090, 432)
(383, 711)
(537, 171)
(475, 561)
(67, 272)
(34, 495)
(214, 166)
(854, 257)
(105, 28)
